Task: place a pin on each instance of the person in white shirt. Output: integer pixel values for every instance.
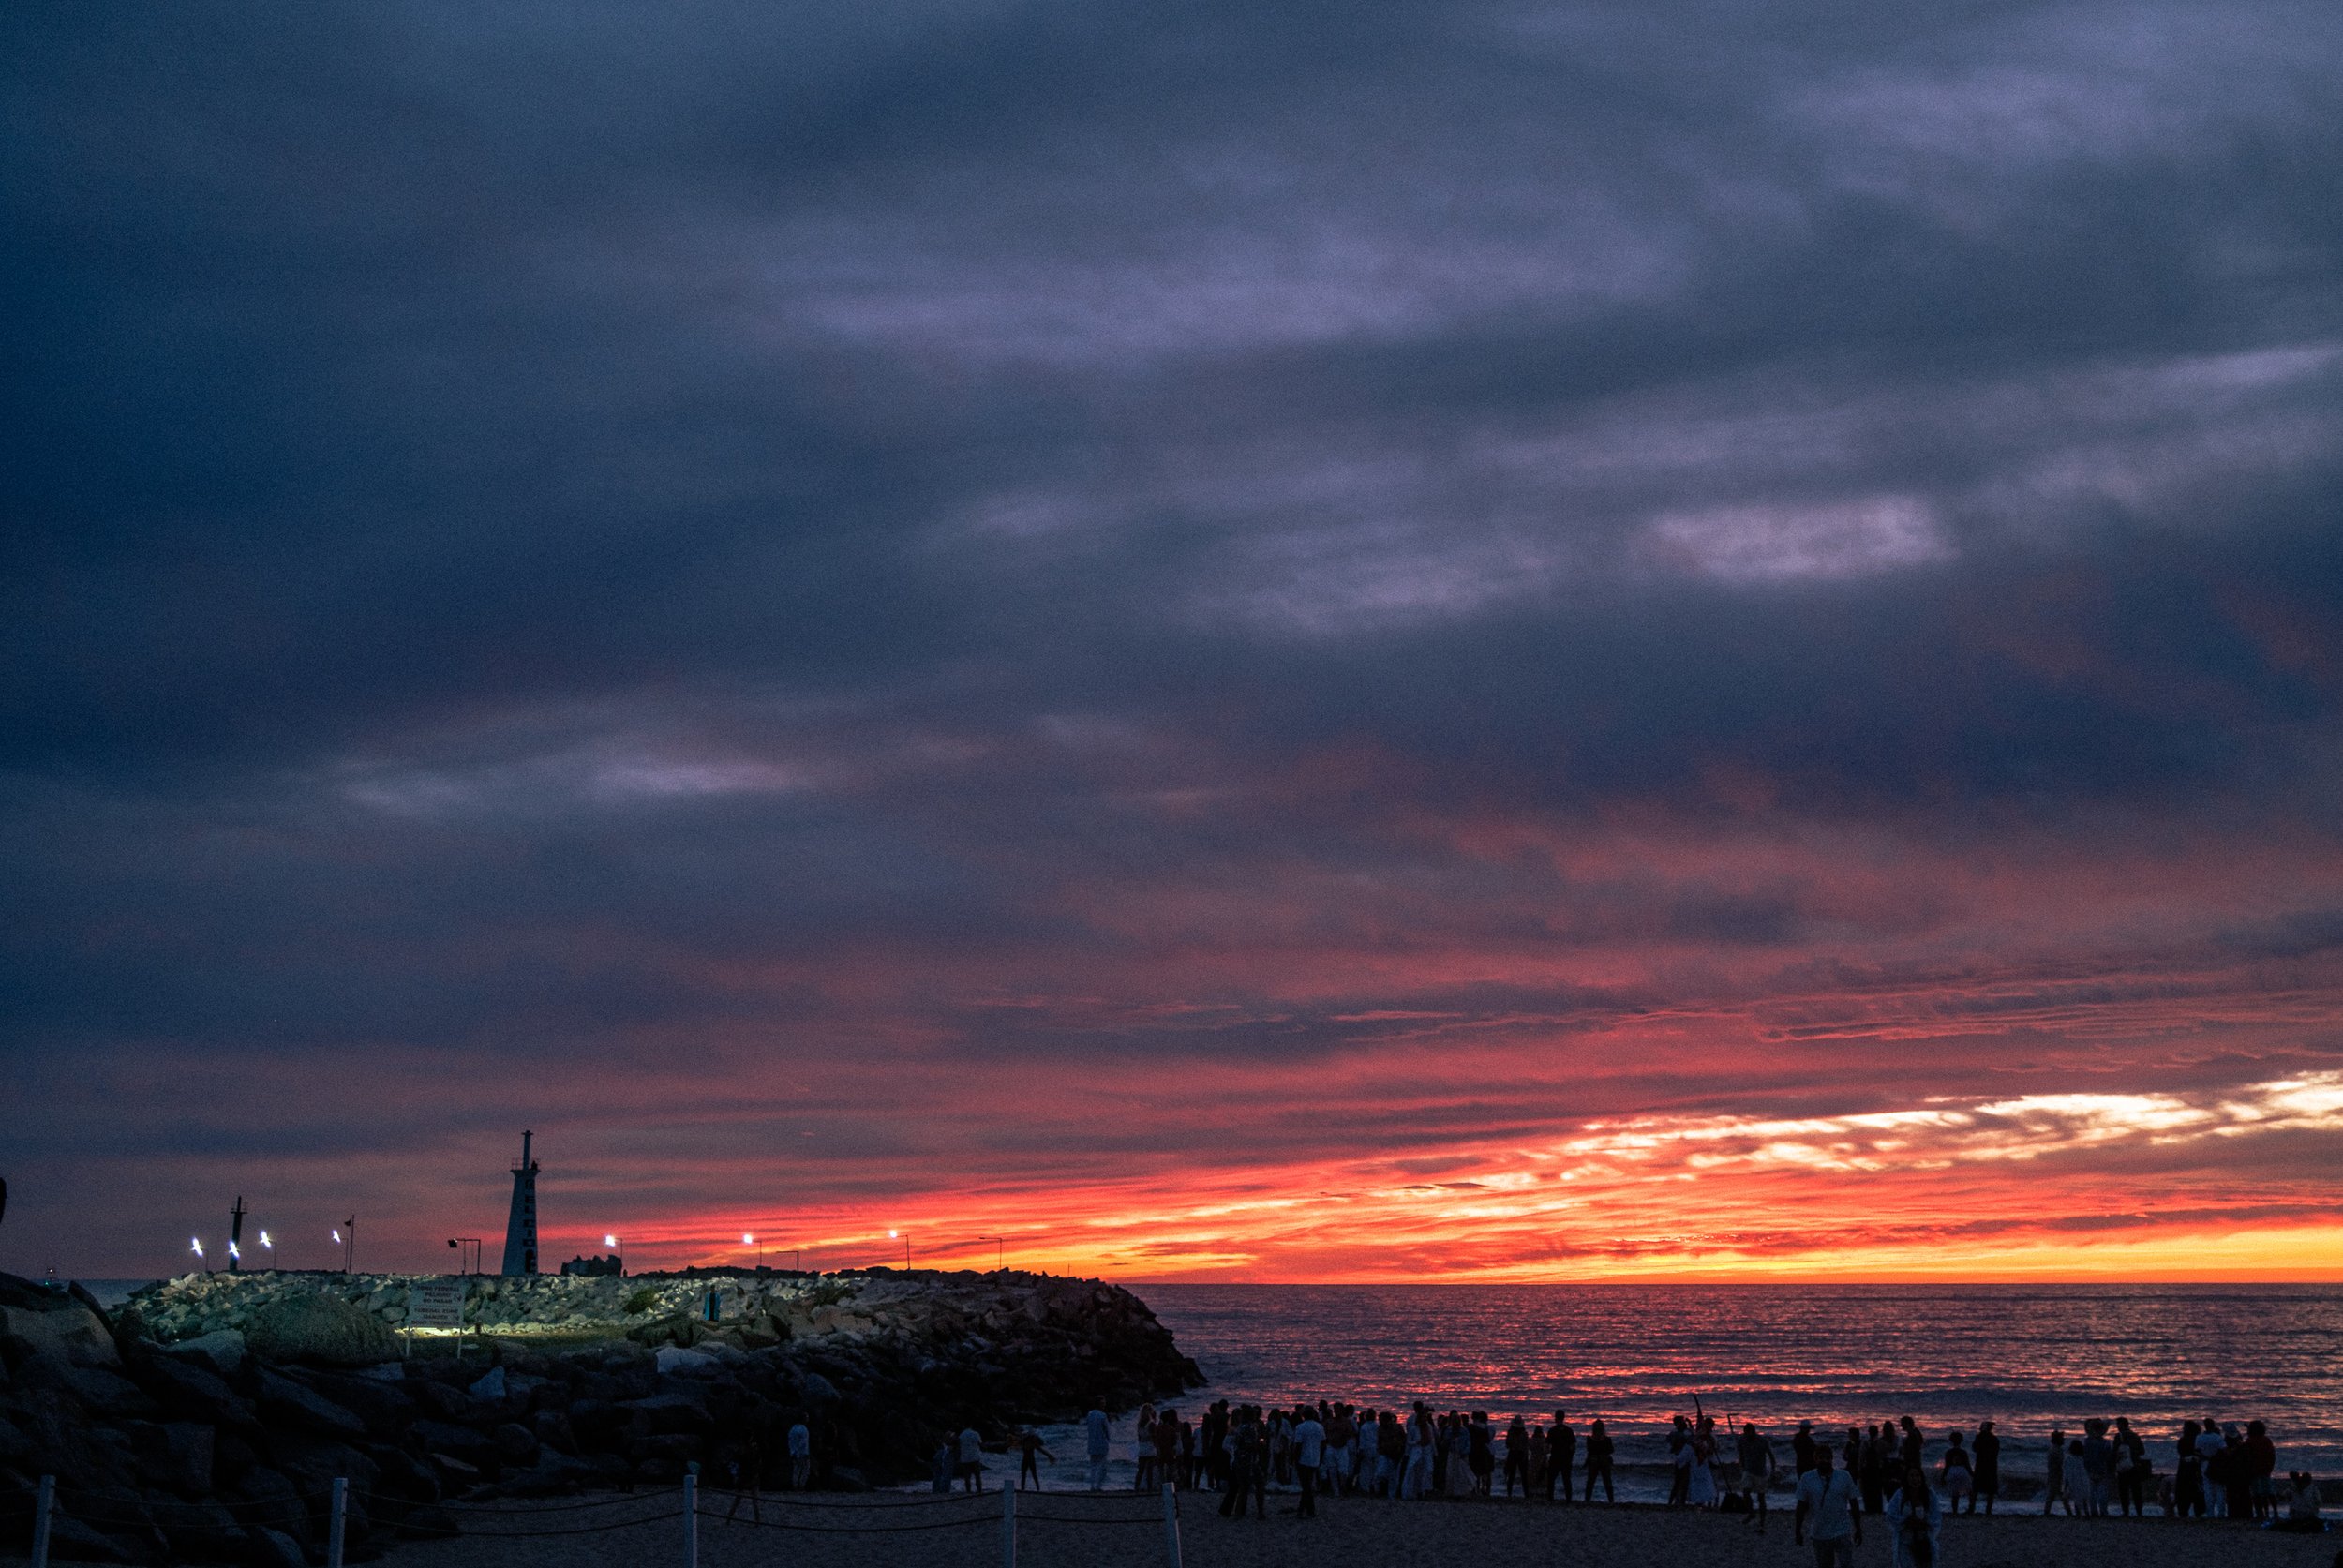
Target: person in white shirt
(1310, 1445)
(971, 1459)
(1917, 1518)
(1826, 1510)
(1418, 1480)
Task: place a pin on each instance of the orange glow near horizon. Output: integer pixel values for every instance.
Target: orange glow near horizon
(1664, 1198)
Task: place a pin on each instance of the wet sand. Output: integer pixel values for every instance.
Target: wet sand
(1361, 1532)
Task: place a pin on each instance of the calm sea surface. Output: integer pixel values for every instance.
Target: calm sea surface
(2026, 1357)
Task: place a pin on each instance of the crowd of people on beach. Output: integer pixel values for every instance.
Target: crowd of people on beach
(1889, 1471)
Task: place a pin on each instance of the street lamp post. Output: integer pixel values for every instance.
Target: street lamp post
(1000, 1251)
(459, 1242)
(270, 1247)
(749, 1239)
(346, 1237)
(617, 1252)
(197, 1243)
(906, 1236)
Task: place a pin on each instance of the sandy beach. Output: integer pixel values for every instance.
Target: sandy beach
(1358, 1531)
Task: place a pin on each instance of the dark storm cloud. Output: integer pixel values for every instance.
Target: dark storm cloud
(765, 523)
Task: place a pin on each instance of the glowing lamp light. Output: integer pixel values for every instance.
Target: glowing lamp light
(609, 1241)
(234, 1251)
(265, 1242)
(197, 1241)
(747, 1240)
(892, 1234)
(337, 1233)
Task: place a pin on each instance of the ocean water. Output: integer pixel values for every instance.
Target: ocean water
(2028, 1357)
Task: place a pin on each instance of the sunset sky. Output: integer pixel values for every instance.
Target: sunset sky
(1349, 641)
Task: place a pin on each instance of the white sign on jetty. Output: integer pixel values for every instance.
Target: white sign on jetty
(435, 1304)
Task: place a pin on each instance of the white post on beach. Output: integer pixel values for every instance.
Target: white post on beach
(41, 1505)
(1171, 1522)
(690, 1520)
(1008, 1527)
(334, 1522)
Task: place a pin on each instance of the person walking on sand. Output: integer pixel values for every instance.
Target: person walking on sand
(1913, 1520)
(1099, 1442)
(1756, 1455)
(1599, 1451)
(1826, 1510)
(748, 1474)
(1679, 1462)
(1517, 1456)
(1561, 1450)
(1029, 1445)
(1802, 1448)
(1987, 1466)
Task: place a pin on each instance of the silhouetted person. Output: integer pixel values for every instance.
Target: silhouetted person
(1561, 1450)
(1028, 1446)
(1599, 1449)
(1757, 1459)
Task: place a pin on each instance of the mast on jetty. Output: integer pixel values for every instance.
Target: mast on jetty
(235, 1236)
(520, 1226)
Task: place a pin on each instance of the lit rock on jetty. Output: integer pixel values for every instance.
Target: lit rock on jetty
(208, 1418)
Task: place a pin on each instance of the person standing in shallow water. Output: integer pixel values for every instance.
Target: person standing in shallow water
(2056, 1484)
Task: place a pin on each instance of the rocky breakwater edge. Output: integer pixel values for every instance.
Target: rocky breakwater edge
(207, 1419)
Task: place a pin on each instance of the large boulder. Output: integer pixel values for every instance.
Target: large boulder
(322, 1329)
(52, 1323)
(222, 1350)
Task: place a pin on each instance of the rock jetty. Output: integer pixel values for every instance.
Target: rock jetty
(207, 1418)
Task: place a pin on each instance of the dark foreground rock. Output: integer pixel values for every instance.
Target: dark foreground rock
(220, 1440)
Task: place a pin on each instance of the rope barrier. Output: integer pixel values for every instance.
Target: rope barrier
(526, 1506)
(851, 1530)
(575, 1530)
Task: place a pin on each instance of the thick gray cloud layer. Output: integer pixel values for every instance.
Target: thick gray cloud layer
(526, 534)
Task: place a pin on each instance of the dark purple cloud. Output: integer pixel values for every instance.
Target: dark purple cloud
(578, 565)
